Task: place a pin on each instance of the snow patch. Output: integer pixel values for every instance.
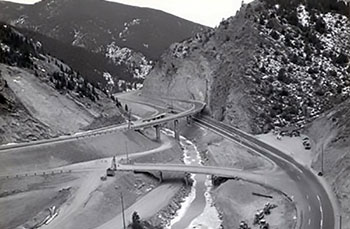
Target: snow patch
(135, 61)
(127, 25)
(303, 16)
(4, 47)
(108, 78)
(78, 37)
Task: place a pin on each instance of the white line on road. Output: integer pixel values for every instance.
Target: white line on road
(309, 221)
(309, 208)
(307, 197)
(321, 210)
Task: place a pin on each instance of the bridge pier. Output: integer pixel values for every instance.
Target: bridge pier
(176, 130)
(157, 132)
(187, 177)
(212, 178)
(160, 177)
(189, 120)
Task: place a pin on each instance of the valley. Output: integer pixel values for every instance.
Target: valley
(117, 116)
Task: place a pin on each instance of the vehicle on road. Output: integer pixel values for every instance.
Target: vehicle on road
(159, 116)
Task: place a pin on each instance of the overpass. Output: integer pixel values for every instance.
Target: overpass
(315, 207)
(196, 107)
(253, 176)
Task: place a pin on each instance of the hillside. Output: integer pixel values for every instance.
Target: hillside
(131, 37)
(331, 132)
(269, 66)
(42, 97)
(94, 67)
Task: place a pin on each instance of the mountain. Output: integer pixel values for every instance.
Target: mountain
(41, 96)
(131, 37)
(94, 67)
(276, 63)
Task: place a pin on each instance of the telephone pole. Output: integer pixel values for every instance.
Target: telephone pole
(129, 119)
(123, 213)
(322, 158)
(127, 154)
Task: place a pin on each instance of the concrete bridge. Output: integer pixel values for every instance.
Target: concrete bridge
(160, 120)
(229, 173)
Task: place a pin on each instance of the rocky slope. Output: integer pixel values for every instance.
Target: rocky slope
(131, 37)
(40, 96)
(275, 63)
(331, 132)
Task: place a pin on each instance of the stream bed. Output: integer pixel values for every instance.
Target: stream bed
(197, 209)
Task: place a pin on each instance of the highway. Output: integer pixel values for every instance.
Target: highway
(315, 208)
(314, 205)
(138, 124)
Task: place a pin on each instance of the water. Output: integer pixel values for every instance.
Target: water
(197, 210)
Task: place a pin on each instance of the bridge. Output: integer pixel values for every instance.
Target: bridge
(315, 208)
(196, 107)
(253, 176)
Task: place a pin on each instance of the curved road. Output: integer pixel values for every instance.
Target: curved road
(314, 205)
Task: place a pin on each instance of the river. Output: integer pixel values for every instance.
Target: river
(197, 210)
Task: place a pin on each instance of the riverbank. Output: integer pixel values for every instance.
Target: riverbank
(234, 199)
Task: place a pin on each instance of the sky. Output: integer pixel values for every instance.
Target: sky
(205, 12)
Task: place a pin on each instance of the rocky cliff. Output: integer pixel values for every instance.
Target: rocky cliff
(274, 63)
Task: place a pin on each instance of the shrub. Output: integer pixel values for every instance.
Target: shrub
(342, 59)
(275, 35)
(321, 25)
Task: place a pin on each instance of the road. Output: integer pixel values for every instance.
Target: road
(255, 176)
(196, 107)
(315, 208)
(91, 182)
(314, 204)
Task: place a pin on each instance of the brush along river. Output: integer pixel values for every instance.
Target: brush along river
(197, 209)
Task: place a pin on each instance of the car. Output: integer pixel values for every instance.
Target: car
(307, 147)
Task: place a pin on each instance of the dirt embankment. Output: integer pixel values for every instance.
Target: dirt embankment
(234, 199)
(33, 109)
(15, 122)
(92, 207)
(331, 132)
(25, 200)
(235, 202)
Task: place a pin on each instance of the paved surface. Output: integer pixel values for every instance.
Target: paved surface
(315, 207)
(207, 170)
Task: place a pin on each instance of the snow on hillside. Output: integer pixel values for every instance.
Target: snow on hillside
(136, 62)
(308, 72)
(78, 36)
(123, 34)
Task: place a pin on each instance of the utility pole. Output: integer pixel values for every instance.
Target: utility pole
(123, 213)
(129, 119)
(340, 221)
(127, 154)
(322, 158)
